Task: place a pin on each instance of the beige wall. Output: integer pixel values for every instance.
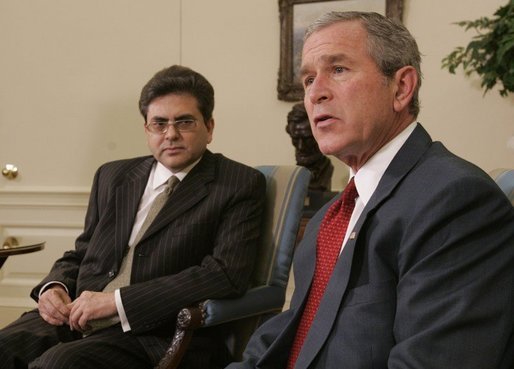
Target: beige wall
(71, 72)
(454, 109)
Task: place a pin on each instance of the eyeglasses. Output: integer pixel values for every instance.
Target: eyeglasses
(162, 126)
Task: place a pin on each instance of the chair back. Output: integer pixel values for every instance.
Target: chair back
(285, 197)
(505, 180)
(286, 190)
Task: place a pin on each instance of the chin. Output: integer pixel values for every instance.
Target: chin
(330, 148)
(326, 151)
(173, 166)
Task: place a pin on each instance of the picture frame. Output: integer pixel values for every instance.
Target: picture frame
(296, 15)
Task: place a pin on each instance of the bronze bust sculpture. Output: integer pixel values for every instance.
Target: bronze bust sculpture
(307, 152)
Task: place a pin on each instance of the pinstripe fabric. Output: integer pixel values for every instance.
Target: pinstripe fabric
(123, 277)
(286, 190)
(105, 352)
(30, 336)
(202, 244)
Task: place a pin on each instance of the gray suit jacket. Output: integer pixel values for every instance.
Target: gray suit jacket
(428, 281)
(202, 244)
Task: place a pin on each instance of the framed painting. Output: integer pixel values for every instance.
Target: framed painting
(296, 15)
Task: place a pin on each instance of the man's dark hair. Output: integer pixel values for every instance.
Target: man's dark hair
(178, 80)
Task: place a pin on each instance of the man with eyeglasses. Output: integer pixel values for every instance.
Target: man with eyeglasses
(112, 301)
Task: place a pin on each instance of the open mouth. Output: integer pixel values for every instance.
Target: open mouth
(322, 118)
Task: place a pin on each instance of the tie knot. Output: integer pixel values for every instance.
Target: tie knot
(350, 192)
(173, 181)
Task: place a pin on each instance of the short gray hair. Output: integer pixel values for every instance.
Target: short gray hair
(390, 44)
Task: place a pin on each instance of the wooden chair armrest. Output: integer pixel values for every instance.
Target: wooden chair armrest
(188, 319)
(256, 301)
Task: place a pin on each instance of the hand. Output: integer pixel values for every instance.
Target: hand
(53, 305)
(91, 305)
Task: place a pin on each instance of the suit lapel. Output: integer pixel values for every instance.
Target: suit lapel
(186, 195)
(128, 196)
(404, 161)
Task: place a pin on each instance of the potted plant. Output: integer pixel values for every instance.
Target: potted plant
(490, 54)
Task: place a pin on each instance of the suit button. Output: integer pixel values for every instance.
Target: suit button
(111, 274)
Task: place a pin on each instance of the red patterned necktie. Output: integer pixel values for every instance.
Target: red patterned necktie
(330, 238)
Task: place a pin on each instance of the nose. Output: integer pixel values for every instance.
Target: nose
(172, 133)
(319, 90)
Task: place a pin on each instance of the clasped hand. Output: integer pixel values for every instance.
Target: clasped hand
(56, 307)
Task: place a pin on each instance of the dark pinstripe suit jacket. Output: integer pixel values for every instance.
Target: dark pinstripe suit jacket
(202, 244)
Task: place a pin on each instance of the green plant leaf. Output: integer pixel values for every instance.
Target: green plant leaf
(490, 53)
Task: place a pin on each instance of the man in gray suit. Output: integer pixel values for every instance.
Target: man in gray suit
(424, 275)
(150, 246)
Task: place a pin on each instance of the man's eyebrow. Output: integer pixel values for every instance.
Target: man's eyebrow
(184, 116)
(325, 59)
(156, 118)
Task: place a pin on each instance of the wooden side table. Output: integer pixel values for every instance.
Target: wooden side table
(11, 247)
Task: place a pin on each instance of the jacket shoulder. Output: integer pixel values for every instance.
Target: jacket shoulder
(234, 170)
(119, 169)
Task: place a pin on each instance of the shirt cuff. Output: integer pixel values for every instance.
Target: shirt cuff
(121, 311)
(46, 285)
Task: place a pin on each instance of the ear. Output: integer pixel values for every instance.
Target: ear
(406, 80)
(210, 128)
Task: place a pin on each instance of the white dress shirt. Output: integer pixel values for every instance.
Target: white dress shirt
(370, 174)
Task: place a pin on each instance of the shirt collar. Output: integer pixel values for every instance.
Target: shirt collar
(162, 174)
(369, 175)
